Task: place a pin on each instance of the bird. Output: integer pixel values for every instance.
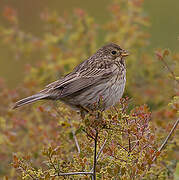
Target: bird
(100, 79)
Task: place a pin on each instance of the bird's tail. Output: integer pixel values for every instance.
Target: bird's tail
(30, 99)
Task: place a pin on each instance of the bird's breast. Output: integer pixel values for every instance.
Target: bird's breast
(116, 88)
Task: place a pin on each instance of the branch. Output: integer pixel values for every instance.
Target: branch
(122, 147)
(89, 135)
(99, 153)
(27, 172)
(95, 156)
(76, 142)
(75, 173)
(171, 72)
(167, 138)
(53, 165)
(101, 149)
(162, 146)
(75, 138)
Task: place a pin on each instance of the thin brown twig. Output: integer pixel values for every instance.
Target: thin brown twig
(177, 121)
(95, 155)
(51, 162)
(171, 72)
(100, 151)
(163, 145)
(129, 139)
(173, 128)
(167, 138)
(115, 109)
(89, 135)
(122, 147)
(135, 145)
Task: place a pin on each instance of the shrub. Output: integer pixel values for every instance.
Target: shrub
(46, 140)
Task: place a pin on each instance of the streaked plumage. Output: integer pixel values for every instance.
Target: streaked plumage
(103, 75)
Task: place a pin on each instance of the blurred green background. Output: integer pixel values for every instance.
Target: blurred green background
(163, 15)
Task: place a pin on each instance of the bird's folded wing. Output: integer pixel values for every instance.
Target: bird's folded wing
(78, 81)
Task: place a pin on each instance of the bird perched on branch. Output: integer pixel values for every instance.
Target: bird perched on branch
(101, 76)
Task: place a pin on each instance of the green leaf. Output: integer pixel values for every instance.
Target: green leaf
(79, 130)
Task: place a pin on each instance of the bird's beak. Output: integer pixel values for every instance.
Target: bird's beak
(125, 53)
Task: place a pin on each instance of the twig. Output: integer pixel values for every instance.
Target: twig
(115, 109)
(93, 171)
(75, 138)
(122, 147)
(177, 121)
(89, 135)
(171, 72)
(137, 143)
(129, 139)
(173, 128)
(95, 155)
(167, 138)
(75, 173)
(76, 142)
(21, 166)
(162, 146)
(51, 162)
(101, 149)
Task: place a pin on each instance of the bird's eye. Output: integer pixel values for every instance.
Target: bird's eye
(114, 52)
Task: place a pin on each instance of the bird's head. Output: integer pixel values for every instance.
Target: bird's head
(113, 52)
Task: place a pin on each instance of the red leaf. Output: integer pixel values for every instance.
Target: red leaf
(159, 55)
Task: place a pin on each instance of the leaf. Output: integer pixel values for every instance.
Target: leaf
(166, 53)
(47, 176)
(15, 161)
(41, 109)
(71, 135)
(159, 55)
(157, 153)
(79, 130)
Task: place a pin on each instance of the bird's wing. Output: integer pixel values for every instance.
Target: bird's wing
(78, 81)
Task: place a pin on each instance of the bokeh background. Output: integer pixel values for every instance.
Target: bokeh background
(163, 29)
(41, 41)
